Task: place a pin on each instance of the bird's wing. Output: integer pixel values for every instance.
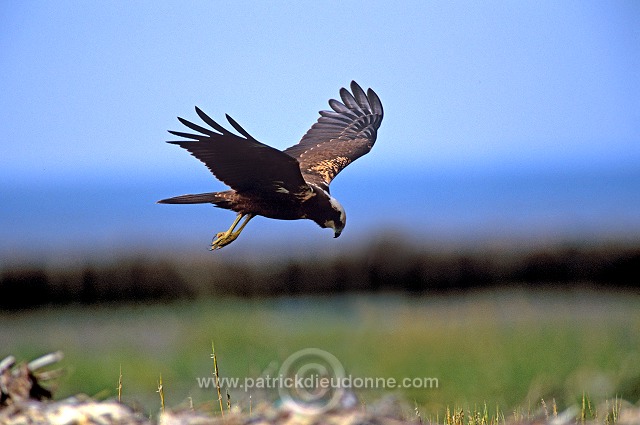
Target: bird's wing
(340, 136)
(243, 163)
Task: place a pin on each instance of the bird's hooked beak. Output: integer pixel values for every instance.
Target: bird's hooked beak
(337, 233)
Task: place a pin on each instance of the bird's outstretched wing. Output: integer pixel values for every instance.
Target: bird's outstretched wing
(340, 136)
(243, 163)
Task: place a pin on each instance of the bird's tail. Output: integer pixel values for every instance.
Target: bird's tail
(216, 198)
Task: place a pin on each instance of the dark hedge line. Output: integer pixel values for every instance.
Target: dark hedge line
(379, 267)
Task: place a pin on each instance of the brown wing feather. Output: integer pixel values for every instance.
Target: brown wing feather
(340, 136)
(243, 163)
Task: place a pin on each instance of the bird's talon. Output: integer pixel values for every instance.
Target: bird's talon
(223, 239)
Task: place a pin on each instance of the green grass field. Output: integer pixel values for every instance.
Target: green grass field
(506, 348)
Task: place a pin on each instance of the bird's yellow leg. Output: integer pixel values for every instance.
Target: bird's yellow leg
(221, 237)
(225, 238)
(246, 220)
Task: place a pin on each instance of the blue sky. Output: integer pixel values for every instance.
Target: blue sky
(90, 88)
(95, 86)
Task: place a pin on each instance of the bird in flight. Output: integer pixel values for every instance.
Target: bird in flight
(287, 185)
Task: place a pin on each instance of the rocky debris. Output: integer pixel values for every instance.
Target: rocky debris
(71, 411)
(384, 412)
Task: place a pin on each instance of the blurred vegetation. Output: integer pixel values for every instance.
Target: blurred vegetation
(505, 348)
(381, 266)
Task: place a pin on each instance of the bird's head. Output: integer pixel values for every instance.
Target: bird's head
(337, 218)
